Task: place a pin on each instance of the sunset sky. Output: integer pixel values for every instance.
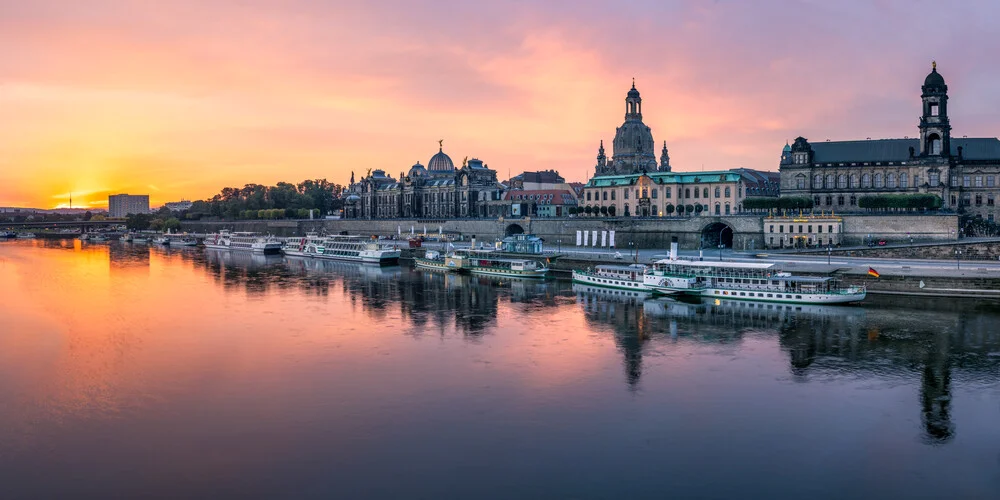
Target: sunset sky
(178, 99)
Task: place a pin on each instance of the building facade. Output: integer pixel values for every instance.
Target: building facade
(438, 190)
(121, 205)
(963, 172)
(804, 231)
(539, 202)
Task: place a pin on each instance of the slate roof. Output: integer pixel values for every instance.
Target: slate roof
(986, 148)
(558, 196)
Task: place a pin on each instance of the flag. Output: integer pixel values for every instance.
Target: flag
(872, 272)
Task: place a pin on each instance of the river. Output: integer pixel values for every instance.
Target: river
(130, 371)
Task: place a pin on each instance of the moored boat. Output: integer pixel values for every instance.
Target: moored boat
(244, 241)
(747, 281)
(24, 236)
(629, 277)
(506, 267)
(433, 259)
(126, 238)
(309, 245)
(354, 249)
(162, 240)
(186, 241)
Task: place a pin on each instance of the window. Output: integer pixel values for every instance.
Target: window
(612, 196)
(829, 228)
(687, 192)
(934, 144)
(816, 200)
(696, 192)
(718, 209)
(626, 194)
(954, 181)
(979, 181)
(879, 183)
(866, 181)
(854, 200)
(841, 181)
(729, 193)
(705, 193)
(904, 180)
(953, 200)
(990, 181)
(933, 179)
(979, 200)
(819, 229)
(966, 199)
(717, 192)
(781, 229)
(854, 181)
(932, 109)
(966, 181)
(810, 228)
(818, 182)
(800, 228)
(829, 181)
(727, 209)
(840, 200)
(989, 200)
(656, 193)
(890, 181)
(666, 192)
(829, 200)
(771, 227)
(588, 195)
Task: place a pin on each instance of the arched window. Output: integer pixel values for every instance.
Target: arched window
(666, 192)
(934, 144)
(612, 196)
(605, 195)
(718, 192)
(841, 181)
(626, 194)
(656, 193)
(818, 181)
(730, 193)
(705, 193)
(904, 181)
(829, 181)
(879, 183)
(866, 181)
(718, 209)
(727, 209)
(854, 181)
(890, 181)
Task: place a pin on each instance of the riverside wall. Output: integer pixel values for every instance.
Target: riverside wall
(691, 232)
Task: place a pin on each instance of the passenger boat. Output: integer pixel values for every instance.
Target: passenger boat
(8, 234)
(629, 277)
(186, 241)
(25, 236)
(357, 249)
(309, 245)
(433, 259)
(510, 268)
(747, 281)
(162, 240)
(244, 241)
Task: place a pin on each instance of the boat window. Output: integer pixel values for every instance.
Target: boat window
(798, 296)
(788, 296)
(743, 294)
(770, 295)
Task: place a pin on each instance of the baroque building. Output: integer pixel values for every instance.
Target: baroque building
(963, 172)
(636, 186)
(438, 190)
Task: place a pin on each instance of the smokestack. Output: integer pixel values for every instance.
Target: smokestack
(473, 242)
(673, 248)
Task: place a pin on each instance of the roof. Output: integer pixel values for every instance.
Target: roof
(705, 263)
(986, 148)
(680, 177)
(558, 196)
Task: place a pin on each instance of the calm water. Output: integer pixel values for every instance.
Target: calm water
(145, 372)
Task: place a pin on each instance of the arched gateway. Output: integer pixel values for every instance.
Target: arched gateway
(514, 229)
(717, 233)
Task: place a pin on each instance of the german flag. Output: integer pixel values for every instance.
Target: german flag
(872, 272)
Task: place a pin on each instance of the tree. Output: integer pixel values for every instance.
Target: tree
(689, 208)
(588, 210)
(604, 210)
(669, 208)
(98, 218)
(87, 215)
(699, 209)
(137, 222)
(156, 224)
(171, 224)
(680, 209)
(612, 210)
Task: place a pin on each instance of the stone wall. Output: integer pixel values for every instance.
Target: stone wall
(748, 230)
(980, 250)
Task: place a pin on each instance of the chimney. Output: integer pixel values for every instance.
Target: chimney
(673, 248)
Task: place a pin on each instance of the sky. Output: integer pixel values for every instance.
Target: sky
(180, 99)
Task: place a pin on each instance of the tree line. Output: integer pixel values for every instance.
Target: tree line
(282, 200)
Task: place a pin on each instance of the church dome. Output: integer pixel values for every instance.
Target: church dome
(417, 170)
(934, 79)
(440, 162)
(633, 137)
(787, 148)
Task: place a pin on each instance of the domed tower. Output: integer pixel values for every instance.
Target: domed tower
(440, 163)
(602, 160)
(935, 129)
(633, 144)
(664, 159)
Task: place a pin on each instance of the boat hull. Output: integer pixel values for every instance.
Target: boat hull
(508, 273)
(608, 282)
(785, 297)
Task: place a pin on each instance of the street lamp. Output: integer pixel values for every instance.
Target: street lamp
(958, 258)
(558, 245)
(829, 254)
(630, 245)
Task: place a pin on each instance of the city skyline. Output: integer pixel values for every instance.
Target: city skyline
(186, 99)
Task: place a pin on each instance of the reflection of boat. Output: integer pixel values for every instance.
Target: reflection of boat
(251, 242)
(611, 293)
(140, 239)
(250, 260)
(25, 235)
(666, 307)
(342, 267)
(433, 259)
(609, 276)
(746, 281)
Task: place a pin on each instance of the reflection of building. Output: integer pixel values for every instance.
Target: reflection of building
(437, 190)
(802, 231)
(964, 172)
(120, 205)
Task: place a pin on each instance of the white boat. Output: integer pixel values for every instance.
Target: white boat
(511, 268)
(162, 240)
(433, 259)
(126, 238)
(186, 241)
(24, 236)
(348, 248)
(244, 241)
(746, 281)
(98, 238)
(629, 277)
(140, 239)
